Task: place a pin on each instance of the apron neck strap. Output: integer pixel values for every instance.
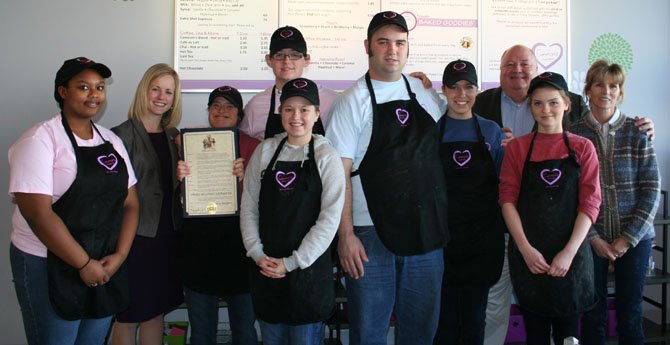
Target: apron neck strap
(373, 99)
(272, 101)
(273, 160)
(571, 153)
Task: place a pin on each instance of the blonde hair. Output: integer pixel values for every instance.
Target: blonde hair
(139, 106)
(599, 71)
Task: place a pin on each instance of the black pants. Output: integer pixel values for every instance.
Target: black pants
(539, 329)
(462, 316)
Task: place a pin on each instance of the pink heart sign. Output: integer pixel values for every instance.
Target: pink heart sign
(285, 179)
(461, 157)
(459, 66)
(109, 162)
(550, 176)
(547, 55)
(402, 115)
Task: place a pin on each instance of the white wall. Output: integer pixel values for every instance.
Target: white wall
(131, 35)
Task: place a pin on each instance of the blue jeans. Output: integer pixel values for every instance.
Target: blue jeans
(203, 314)
(283, 334)
(408, 286)
(462, 315)
(41, 323)
(629, 271)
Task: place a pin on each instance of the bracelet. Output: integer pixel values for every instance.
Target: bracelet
(86, 264)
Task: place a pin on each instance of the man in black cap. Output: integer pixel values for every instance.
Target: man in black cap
(393, 226)
(287, 59)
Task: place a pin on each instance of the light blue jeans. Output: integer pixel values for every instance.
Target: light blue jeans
(41, 324)
(203, 314)
(408, 286)
(283, 334)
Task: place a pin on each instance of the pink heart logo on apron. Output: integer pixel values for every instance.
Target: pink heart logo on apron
(402, 115)
(109, 162)
(550, 176)
(461, 157)
(285, 179)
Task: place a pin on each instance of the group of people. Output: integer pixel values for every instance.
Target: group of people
(422, 194)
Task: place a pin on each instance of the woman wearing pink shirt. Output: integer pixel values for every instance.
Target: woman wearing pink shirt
(76, 215)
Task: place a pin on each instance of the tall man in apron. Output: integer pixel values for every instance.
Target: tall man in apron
(394, 222)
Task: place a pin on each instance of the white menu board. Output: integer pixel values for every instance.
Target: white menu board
(221, 42)
(541, 25)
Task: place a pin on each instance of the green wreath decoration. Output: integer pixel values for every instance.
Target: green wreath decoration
(612, 47)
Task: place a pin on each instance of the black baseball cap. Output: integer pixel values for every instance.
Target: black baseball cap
(73, 67)
(229, 93)
(287, 37)
(385, 18)
(548, 78)
(459, 70)
(300, 87)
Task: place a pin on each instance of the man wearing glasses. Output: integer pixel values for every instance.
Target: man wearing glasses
(288, 59)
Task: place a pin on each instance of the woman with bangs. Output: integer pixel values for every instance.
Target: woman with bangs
(623, 233)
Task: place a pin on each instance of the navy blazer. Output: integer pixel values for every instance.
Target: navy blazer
(146, 165)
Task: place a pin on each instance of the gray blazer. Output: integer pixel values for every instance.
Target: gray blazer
(146, 165)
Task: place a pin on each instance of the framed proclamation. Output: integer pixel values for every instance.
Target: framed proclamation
(211, 189)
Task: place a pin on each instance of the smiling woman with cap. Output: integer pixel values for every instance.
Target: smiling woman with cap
(76, 215)
(471, 154)
(291, 208)
(213, 261)
(550, 196)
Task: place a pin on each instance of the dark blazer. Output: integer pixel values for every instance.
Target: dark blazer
(487, 105)
(146, 165)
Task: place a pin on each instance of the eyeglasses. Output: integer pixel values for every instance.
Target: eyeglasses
(290, 56)
(219, 106)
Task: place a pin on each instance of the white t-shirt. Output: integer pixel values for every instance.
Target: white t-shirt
(350, 126)
(42, 161)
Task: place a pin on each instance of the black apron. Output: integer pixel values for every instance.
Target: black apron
(547, 205)
(289, 205)
(273, 125)
(92, 210)
(474, 255)
(402, 176)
